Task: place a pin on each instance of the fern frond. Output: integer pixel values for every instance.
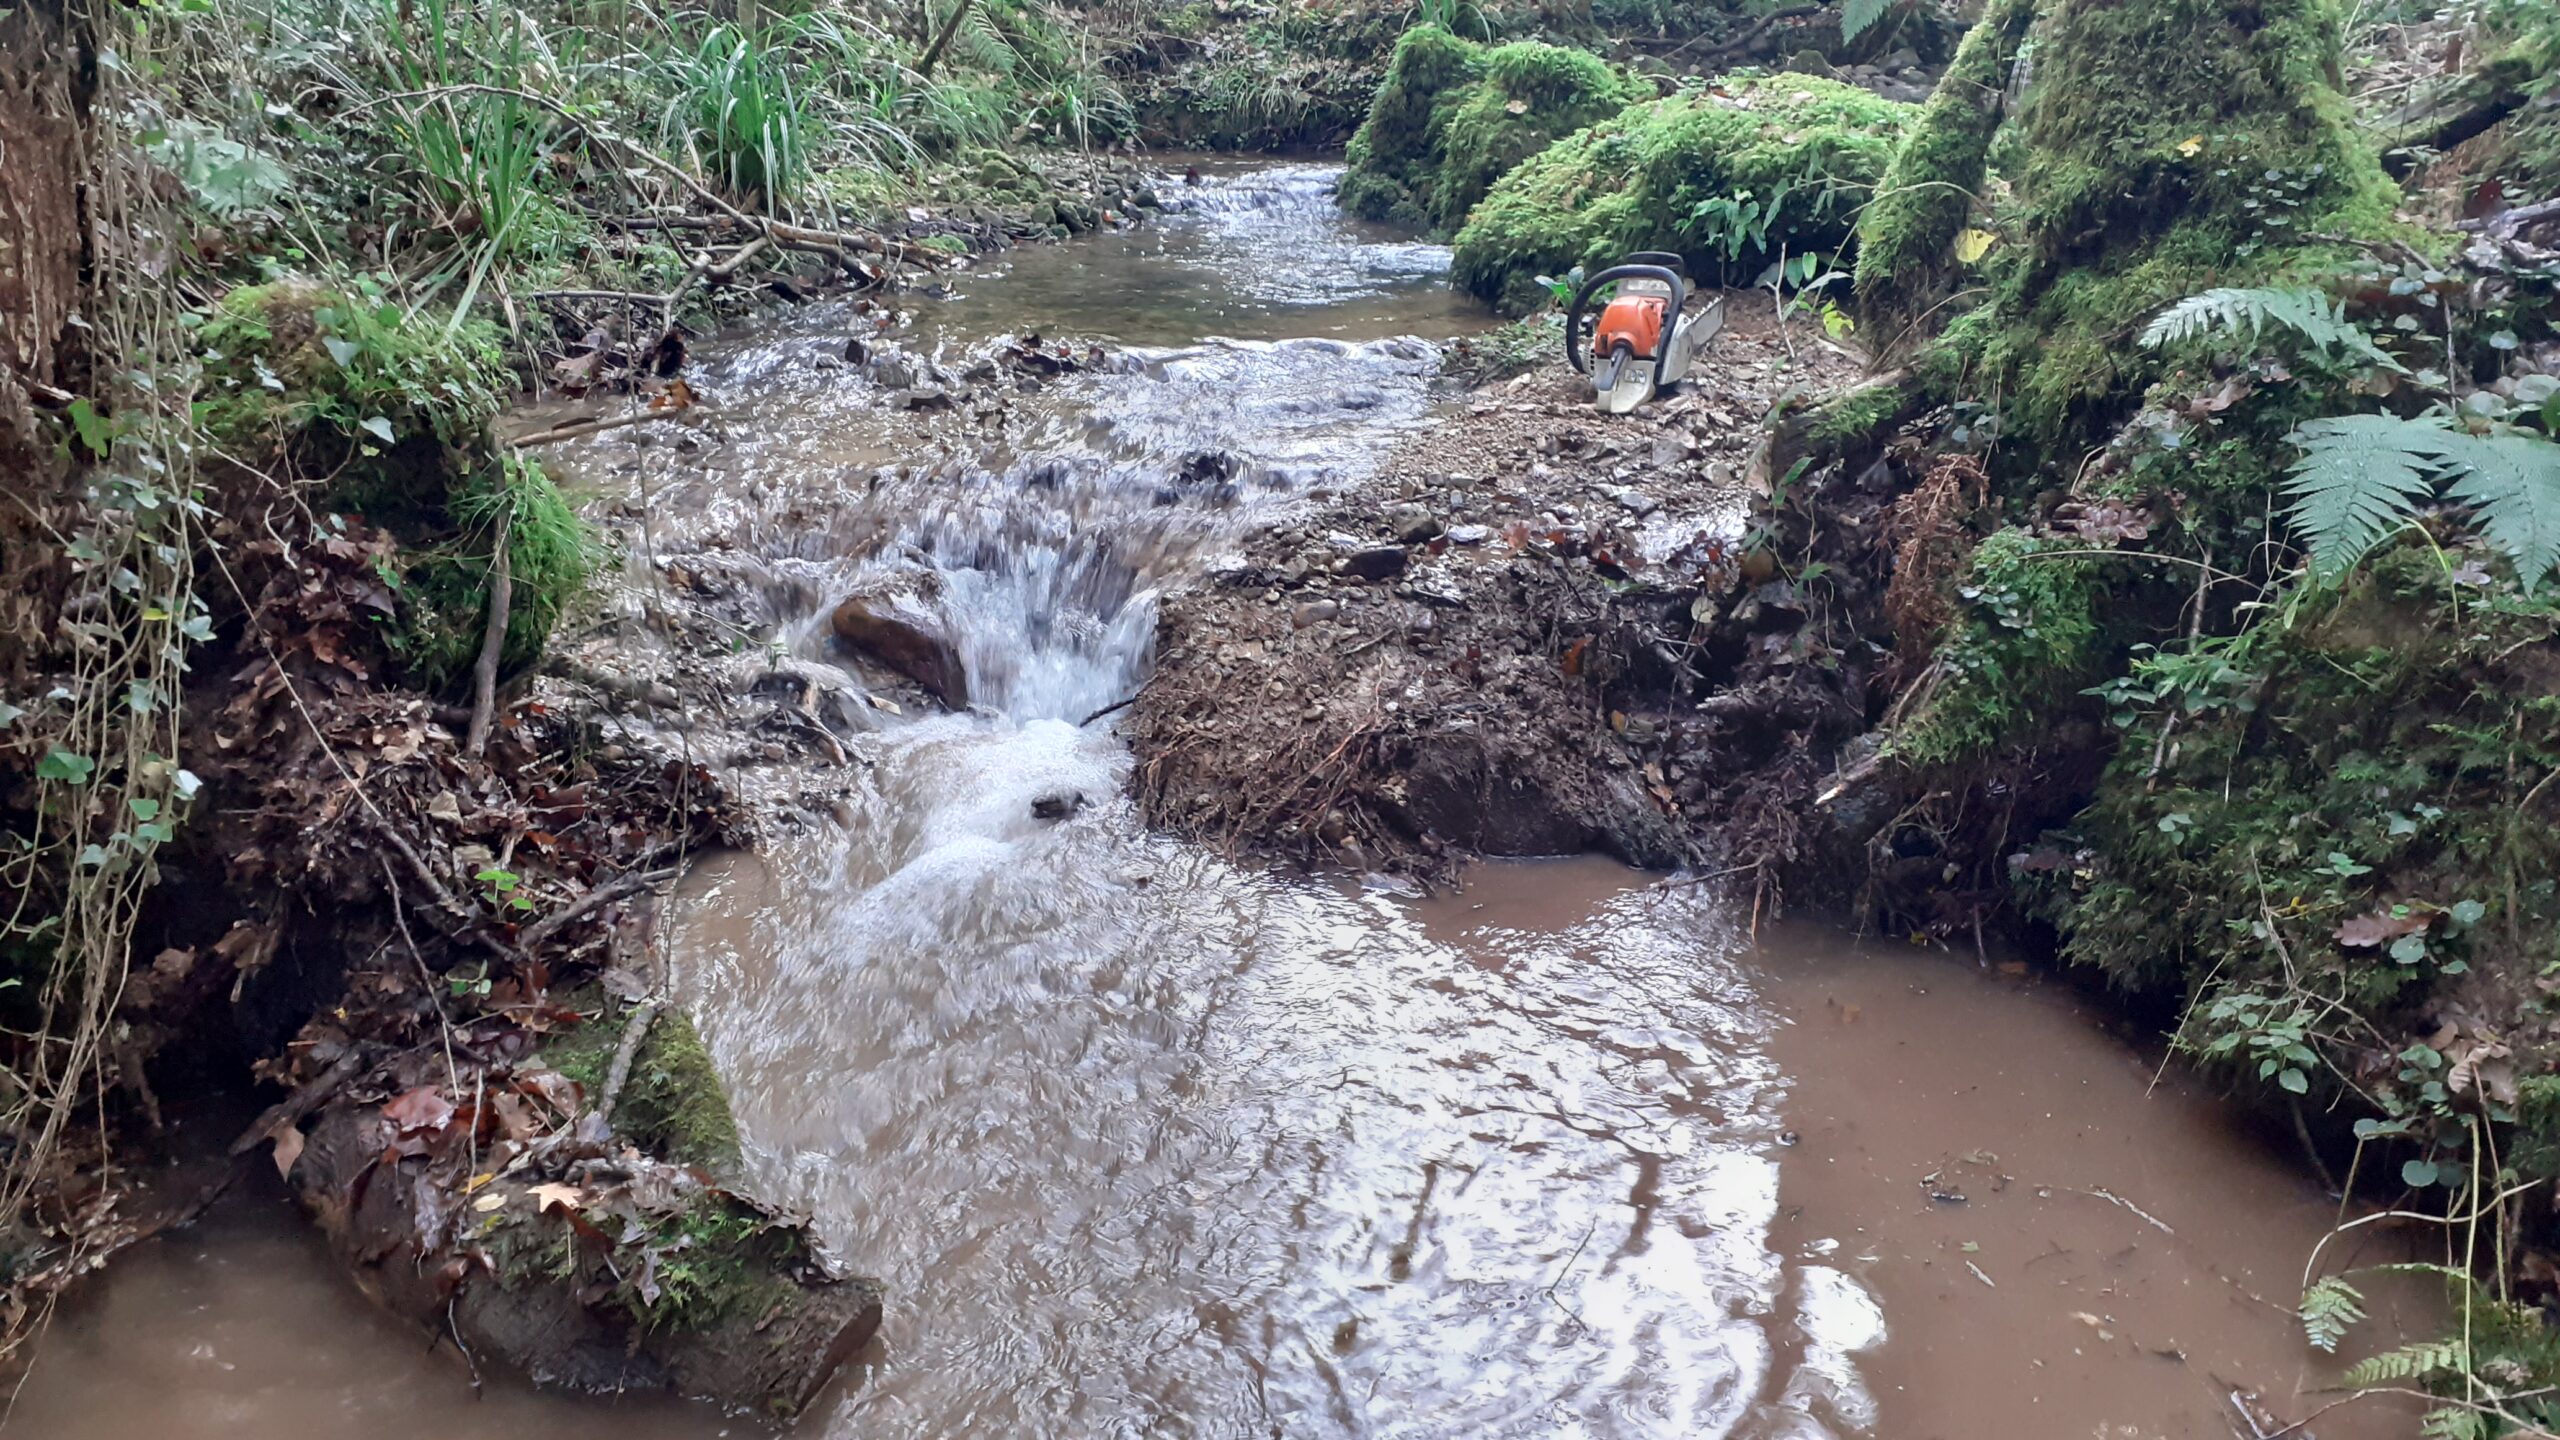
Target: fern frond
(2454, 1422)
(2360, 478)
(2319, 320)
(2410, 1362)
(2512, 484)
(2329, 1307)
(1857, 15)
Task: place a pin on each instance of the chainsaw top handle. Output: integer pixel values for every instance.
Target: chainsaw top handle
(1582, 304)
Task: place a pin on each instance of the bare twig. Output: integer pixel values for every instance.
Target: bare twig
(533, 936)
(632, 1035)
(493, 641)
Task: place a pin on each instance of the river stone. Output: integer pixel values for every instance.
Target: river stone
(1379, 562)
(894, 622)
(1412, 523)
(893, 372)
(1470, 534)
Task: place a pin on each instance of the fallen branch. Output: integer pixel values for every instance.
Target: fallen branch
(295, 1108)
(532, 936)
(493, 644)
(576, 428)
(624, 1054)
(1738, 43)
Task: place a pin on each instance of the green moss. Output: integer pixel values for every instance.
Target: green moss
(1813, 148)
(714, 1261)
(1907, 237)
(2369, 747)
(1530, 95)
(2169, 146)
(672, 1102)
(2025, 637)
(1393, 156)
(295, 370)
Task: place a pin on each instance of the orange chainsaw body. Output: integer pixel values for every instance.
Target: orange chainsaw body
(1634, 321)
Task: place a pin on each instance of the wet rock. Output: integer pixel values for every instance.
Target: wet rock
(1637, 503)
(1470, 534)
(895, 623)
(1314, 612)
(924, 397)
(1057, 807)
(1207, 467)
(890, 372)
(1412, 524)
(1378, 562)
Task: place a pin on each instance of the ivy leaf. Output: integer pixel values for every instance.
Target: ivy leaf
(2418, 1174)
(377, 426)
(143, 807)
(342, 351)
(2409, 949)
(65, 766)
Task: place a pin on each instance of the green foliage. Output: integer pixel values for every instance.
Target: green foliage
(228, 178)
(2313, 317)
(1647, 179)
(750, 124)
(1858, 16)
(1530, 95)
(2362, 476)
(2025, 633)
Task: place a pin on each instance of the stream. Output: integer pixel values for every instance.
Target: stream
(1144, 1142)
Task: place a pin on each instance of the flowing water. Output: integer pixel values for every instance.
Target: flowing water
(1145, 1143)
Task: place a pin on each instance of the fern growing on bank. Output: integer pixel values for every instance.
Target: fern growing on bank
(2330, 1308)
(2363, 476)
(2318, 319)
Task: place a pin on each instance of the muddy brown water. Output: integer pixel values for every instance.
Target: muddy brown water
(1561, 1154)
(1149, 1144)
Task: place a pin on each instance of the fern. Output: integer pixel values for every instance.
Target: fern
(2328, 1308)
(2355, 483)
(2421, 1361)
(2361, 476)
(2454, 1422)
(2512, 484)
(2319, 320)
(1857, 15)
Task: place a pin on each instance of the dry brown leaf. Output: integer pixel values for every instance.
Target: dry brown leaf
(289, 1144)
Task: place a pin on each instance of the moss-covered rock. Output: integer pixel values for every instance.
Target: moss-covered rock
(1393, 157)
(1453, 117)
(1804, 152)
(301, 374)
(2167, 146)
(385, 414)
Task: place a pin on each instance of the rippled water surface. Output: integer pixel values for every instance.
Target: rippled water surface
(1148, 1144)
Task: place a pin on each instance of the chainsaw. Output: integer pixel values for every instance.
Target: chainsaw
(1641, 343)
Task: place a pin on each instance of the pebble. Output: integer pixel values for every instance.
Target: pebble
(1412, 524)
(1470, 534)
(1314, 612)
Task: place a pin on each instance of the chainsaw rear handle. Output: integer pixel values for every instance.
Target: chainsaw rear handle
(1582, 305)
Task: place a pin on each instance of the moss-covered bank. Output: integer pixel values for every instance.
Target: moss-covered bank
(1727, 179)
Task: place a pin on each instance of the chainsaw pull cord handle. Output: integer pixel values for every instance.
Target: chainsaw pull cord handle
(1582, 305)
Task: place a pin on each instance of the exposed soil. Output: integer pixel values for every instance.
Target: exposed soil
(1486, 649)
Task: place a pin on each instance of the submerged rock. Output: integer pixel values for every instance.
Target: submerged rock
(894, 622)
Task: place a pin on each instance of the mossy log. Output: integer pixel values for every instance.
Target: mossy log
(621, 1273)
